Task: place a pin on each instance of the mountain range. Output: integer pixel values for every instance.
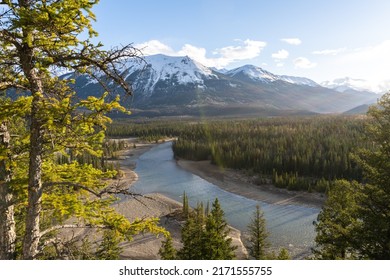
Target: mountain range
(181, 85)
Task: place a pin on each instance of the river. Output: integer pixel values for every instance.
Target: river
(290, 226)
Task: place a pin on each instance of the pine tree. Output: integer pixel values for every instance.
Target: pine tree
(217, 245)
(38, 38)
(109, 247)
(373, 240)
(258, 235)
(338, 222)
(283, 255)
(167, 251)
(192, 236)
(355, 220)
(186, 210)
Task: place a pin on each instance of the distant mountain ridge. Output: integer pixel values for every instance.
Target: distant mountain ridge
(180, 84)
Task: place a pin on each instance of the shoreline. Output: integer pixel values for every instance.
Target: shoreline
(146, 246)
(238, 183)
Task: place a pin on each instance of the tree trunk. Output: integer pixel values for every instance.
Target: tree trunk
(34, 207)
(7, 220)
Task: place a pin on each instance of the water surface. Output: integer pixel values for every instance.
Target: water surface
(290, 226)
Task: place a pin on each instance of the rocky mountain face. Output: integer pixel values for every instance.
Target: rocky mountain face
(180, 85)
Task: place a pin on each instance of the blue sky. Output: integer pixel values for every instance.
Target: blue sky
(321, 40)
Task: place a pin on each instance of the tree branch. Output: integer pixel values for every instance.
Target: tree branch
(57, 227)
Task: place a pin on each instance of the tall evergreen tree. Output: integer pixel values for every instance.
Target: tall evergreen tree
(38, 39)
(217, 245)
(355, 221)
(186, 210)
(167, 251)
(374, 198)
(258, 235)
(192, 236)
(109, 247)
(338, 223)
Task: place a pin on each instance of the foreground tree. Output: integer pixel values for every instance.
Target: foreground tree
(206, 237)
(374, 198)
(38, 38)
(258, 235)
(192, 235)
(217, 244)
(355, 221)
(337, 224)
(167, 251)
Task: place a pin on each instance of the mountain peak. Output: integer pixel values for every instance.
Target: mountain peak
(258, 74)
(253, 72)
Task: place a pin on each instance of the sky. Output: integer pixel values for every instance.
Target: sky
(320, 40)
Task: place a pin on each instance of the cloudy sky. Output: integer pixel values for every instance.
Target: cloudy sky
(321, 40)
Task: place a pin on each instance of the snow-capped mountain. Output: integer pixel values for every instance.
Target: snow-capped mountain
(260, 75)
(348, 84)
(178, 83)
(175, 70)
(253, 73)
(298, 81)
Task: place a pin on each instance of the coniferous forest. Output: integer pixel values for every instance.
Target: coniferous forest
(298, 153)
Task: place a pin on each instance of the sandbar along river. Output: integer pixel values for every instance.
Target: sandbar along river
(290, 226)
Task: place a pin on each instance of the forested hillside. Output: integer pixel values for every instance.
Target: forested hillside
(300, 153)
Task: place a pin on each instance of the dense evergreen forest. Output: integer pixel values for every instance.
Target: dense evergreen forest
(298, 153)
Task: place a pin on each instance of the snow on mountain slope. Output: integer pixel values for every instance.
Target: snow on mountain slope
(254, 73)
(258, 74)
(298, 81)
(182, 70)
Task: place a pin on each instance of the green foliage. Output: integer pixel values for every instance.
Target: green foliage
(186, 210)
(192, 236)
(295, 153)
(306, 153)
(58, 137)
(109, 247)
(284, 254)
(206, 237)
(217, 244)
(167, 251)
(258, 234)
(355, 221)
(338, 224)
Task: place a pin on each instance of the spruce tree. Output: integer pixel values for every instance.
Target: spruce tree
(355, 220)
(258, 235)
(39, 39)
(373, 240)
(186, 210)
(217, 245)
(192, 236)
(167, 251)
(338, 223)
(283, 255)
(109, 247)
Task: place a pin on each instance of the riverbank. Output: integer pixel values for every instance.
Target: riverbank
(238, 183)
(146, 246)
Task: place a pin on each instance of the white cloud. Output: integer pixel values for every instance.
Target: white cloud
(330, 51)
(154, 47)
(282, 54)
(292, 41)
(280, 64)
(248, 49)
(303, 62)
(371, 63)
